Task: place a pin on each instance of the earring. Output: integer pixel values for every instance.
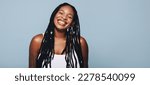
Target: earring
(51, 32)
(68, 29)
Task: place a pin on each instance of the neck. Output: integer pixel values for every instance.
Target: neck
(60, 34)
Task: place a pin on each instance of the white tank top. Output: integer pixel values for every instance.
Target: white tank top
(58, 61)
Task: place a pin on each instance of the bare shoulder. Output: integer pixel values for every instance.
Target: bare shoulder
(37, 38)
(83, 41)
(36, 41)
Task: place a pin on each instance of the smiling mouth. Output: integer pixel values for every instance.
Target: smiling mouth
(61, 22)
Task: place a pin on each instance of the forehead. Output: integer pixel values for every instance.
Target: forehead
(67, 9)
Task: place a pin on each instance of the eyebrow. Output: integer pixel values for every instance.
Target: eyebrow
(68, 14)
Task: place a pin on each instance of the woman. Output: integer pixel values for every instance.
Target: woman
(61, 45)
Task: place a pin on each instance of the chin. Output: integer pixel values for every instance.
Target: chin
(60, 28)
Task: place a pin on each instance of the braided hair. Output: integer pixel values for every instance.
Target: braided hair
(72, 48)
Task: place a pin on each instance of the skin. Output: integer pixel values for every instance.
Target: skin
(62, 20)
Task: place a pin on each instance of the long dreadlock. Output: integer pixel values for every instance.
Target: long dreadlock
(72, 48)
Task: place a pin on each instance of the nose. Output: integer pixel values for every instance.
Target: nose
(64, 17)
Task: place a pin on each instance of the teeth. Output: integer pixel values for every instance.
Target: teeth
(61, 22)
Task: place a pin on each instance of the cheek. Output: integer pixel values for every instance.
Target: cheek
(55, 20)
(70, 21)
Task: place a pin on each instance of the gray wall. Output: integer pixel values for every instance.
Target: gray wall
(117, 31)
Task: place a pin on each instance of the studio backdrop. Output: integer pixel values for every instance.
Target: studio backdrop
(117, 31)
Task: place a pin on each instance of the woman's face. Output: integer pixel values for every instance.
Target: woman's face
(64, 17)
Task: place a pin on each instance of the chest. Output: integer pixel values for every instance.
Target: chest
(59, 46)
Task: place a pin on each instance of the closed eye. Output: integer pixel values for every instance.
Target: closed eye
(70, 16)
(60, 12)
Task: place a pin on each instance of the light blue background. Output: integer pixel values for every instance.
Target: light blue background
(117, 31)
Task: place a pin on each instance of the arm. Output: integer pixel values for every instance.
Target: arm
(84, 48)
(34, 49)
